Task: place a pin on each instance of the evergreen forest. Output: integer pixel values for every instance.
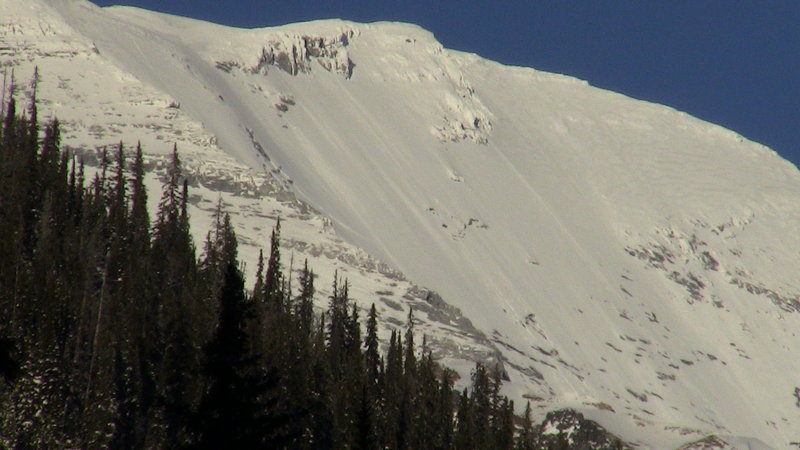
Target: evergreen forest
(118, 332)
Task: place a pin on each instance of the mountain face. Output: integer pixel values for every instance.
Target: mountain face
(617, 257)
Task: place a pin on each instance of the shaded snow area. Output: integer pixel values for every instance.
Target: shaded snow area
(618, 257)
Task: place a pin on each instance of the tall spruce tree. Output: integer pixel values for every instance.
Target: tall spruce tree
(466, 435)
(172, 355)
(304, 304)
(481, 403)
(525, 437)
(372, 359)
(273, 295)
(444, 411)
(231, 412)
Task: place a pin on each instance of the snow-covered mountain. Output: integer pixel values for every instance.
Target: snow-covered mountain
(618, 257)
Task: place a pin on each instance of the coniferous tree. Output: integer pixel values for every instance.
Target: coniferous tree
(409, 358)
(139, 216)
(218, 249)
(481, 402)
(320, 415)
(426, 405)
(275, 323)
(33, 122)
(444, 411)
(392, 393)
(365, 420)
(526, 436)
(352, 336)
(258, 287)
(343, 384)
(139, 312)
(407, 434)
(301, 358)
(503, 427)
(231, 410)
(337, 327)
(304, 304)
(372, 359)
(466, 433)
(172, 355)
(272, 279)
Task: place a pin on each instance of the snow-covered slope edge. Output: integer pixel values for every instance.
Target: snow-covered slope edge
(626, 259)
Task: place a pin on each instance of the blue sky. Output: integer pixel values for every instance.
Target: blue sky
(731, 62)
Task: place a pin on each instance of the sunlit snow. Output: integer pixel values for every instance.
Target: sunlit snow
(624, 258)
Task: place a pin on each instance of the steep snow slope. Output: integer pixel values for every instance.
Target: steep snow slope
(626, 259)
(72, 71)
(99, 105)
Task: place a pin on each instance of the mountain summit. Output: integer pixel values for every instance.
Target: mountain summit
(616, 256)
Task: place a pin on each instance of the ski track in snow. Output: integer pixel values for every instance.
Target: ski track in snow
(623, 258)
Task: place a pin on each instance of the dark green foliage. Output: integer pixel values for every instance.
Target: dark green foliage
(273, 295)
(9, 366)
(372, 358)
(575, 429)
(237, 409)
(465, 424)
(526, 434)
